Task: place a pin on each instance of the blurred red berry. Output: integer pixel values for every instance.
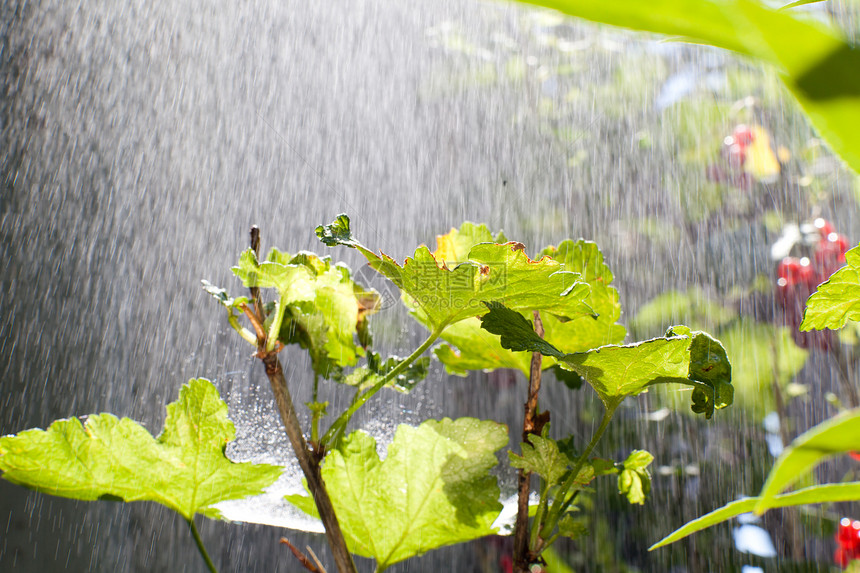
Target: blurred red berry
(848, 534)
(806, 275)
(743, 135)
(789, 269)
(824, 227)
(855, 455)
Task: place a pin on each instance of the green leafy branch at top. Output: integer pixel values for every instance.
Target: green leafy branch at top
(439, 295)
(184, 468)
(618, 371)
(433, 488)
(837, 300)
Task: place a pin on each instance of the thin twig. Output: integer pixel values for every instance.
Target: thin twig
(522, 554)
(255, 291)
(255, 321)
(315, 558)
(303, 559)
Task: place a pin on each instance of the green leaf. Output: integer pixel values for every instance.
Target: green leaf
(454, 246)
(837, 435)
(516, 332)
(837, 300)
(221, 296)
(567, 377)
(320, 307)
(585, 333)
(616, 372)
(376, 369)
(184, 469)
(293, 281)
(470, 348)
(432, 489)
(816, 63)
(828, 493)
(337, 233)
(554, 562)
(569, 527)
(542, 457)
(709, 364)
(439, 296)
(634, 481)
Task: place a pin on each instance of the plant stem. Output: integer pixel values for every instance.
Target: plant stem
(255, 291)
(339, 425)
(200, 547)
(538, 522)
(308, 461)
(522, 556)
(560, 503)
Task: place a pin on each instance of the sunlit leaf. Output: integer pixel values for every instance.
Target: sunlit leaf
(838, 299)
(634, 481)
(221, 296)
(320, 307)
(454, 246)
(293, 281)
(515, 332)
(838, 435)
(618, 371)
(585, 333)
(542, 457)
(470, 348)
(816, 63)
(709, 363)
(828, 493)
(184, 468)
(570, 528)
(433, 488)
(439, 296)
